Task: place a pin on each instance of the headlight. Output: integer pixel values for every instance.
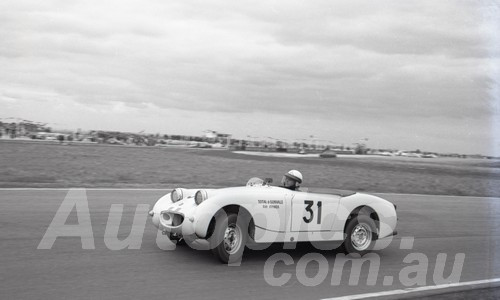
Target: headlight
(176, 195)
(200, 196)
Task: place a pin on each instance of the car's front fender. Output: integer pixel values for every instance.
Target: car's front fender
(268, 217)
(202, 217)
(160, 205)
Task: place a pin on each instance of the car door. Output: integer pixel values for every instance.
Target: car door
(312, 212)
(268, 208)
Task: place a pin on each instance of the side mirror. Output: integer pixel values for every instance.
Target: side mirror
(267, 181)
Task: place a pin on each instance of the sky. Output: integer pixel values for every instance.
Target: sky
(393, 74)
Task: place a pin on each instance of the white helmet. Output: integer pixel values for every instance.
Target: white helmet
(294, 175)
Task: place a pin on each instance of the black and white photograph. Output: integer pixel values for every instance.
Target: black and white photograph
(249, 149)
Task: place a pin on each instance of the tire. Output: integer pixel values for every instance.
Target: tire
(229, 238)
(361, 233)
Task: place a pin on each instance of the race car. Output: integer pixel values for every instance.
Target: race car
(228, 219)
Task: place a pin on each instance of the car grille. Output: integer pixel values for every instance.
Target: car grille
(177, 220)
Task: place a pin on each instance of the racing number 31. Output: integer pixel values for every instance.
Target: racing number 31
(309, 204)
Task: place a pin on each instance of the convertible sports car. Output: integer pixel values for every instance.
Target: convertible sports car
(231, 218)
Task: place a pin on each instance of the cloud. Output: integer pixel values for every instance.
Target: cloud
(355, 65)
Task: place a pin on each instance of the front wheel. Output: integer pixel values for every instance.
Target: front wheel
(361, 234)
(229, 238)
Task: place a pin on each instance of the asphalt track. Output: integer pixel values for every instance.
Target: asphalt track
(439, 224)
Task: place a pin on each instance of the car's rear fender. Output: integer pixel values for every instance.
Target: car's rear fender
(375, 207)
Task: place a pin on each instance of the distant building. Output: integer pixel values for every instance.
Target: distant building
(213, 137)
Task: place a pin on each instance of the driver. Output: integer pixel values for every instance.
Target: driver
(291, 180)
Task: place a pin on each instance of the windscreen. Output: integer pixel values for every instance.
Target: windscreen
(255, 181)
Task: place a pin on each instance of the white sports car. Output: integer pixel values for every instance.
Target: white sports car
(231, 218)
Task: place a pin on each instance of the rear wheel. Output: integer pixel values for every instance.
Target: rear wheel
(229, 238)
(361, 233)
